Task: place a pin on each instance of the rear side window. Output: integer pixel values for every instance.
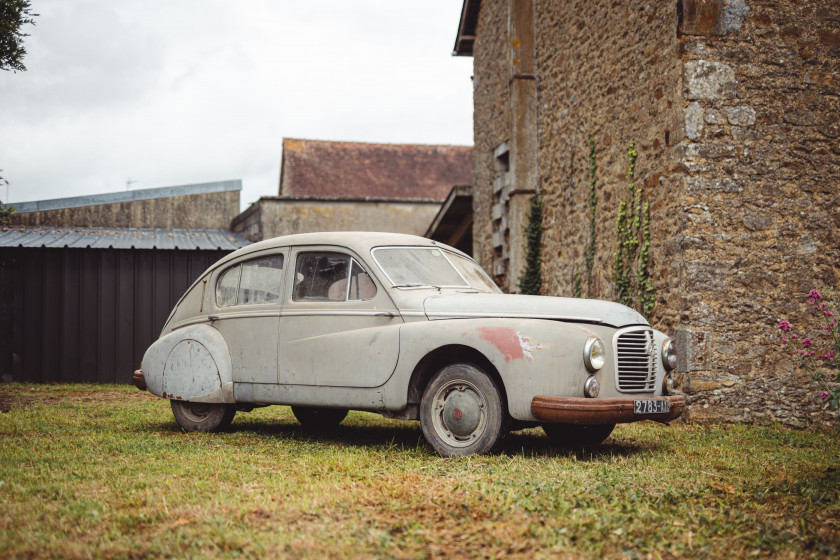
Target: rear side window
(253, 282)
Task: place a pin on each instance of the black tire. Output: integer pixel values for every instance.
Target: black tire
(461, 411)
(202, 417)
(575, 435)
(313, 418)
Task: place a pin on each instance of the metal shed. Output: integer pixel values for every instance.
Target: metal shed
(82, 304)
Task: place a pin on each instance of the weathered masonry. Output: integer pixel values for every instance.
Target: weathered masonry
(82, 304)
(198, 206)
(732, 108)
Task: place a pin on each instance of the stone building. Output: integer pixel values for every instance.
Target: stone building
(732, 108)
(335, 186)
(198, 206)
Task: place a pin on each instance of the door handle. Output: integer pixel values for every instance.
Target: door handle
(213, 317)
(386, 314)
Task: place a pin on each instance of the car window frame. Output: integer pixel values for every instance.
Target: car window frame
(300, 251)
(465, 286)
(282, 252)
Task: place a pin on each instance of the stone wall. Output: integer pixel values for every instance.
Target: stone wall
(491, 119)
(198, 211)
(275, 216)
(761, 83)
(611, 72)
(733, 108)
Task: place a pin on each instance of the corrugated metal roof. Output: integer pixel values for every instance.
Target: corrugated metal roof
(120, 238)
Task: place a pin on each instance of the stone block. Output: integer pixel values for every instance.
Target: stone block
(800, 118)
(693, 121)
(743, 115)
(709, 185)
(693, 351)
(755, 223)
(712, 17)
(708, 80)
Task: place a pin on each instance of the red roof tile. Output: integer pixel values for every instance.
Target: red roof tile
(319, 168)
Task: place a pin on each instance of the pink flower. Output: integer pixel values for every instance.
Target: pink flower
(824, 395)
(814, 294)
(828, 313)
(823, 304)
(784, 326)
(794, 335)
(784, 339)
(806, 342)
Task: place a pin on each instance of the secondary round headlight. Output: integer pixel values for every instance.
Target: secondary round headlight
(669, 354)
(594, 354)
(591, 388)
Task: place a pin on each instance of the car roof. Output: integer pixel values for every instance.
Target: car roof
(360, 242)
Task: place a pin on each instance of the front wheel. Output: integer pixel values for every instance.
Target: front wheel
(576, 435)
(202, 417)
(461, 411)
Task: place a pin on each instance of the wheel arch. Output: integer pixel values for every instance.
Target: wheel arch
(448, 355)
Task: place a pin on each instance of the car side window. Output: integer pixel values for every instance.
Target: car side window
(252, 282)
(361, 286)
(324, 276)
(318, 277)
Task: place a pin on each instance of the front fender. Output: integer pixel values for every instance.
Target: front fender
(532, 356)
(191, 364)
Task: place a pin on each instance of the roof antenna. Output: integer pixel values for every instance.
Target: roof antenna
(129, 182)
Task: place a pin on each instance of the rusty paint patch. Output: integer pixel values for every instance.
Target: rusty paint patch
(505, 340)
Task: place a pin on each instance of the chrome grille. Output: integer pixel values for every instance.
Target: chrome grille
(636, 352)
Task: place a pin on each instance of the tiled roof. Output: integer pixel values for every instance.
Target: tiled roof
(318, 168)
(120, 238)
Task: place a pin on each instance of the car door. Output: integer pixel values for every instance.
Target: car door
(248, 297)
(339, 327)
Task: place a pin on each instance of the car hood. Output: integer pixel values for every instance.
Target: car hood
(469, 306)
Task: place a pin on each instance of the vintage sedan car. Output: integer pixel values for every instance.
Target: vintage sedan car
(409, 328)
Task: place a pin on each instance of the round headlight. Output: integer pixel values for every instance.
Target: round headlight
(591, 388)
(669, 354)
(594, 354)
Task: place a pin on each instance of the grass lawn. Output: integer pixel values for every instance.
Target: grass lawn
(103, 471)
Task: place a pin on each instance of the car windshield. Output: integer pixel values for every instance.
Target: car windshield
(416, 267)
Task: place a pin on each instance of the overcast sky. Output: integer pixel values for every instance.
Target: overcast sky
(188, 91)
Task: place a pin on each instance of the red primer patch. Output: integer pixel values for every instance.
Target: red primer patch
(506, 340)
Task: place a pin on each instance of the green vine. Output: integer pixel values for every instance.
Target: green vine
(591, 206)
(631, 260)
(577, 286)
(530, 283)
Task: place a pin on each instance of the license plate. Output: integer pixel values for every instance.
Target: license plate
(651, 407)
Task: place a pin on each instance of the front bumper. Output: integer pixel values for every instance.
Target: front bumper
(578, 410)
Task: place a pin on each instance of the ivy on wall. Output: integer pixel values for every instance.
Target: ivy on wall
(530, 283)
(631, 260)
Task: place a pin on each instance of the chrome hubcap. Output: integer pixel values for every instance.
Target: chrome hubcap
(459, 413)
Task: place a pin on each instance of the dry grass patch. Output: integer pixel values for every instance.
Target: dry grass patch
(90, 471)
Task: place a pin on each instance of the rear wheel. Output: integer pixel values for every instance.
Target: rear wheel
(319, 418)
(577, 435)
(202, 417)
(461, 411)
